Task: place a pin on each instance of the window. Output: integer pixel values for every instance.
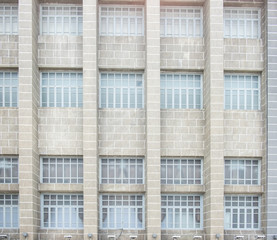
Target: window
(122, 171)
(181, 171)
(242, 92)
(8, 19)
(9, 211)
(181, 211)
(8, 89)
(61, 89)
(62, 211)
(121, 21)
(242, 171)
(61, 20)
(241, 23)
(242, 212)
(181, 22)
(122, 211)
(8, 170)
(181, 91)
(121, 90)
(62, 170)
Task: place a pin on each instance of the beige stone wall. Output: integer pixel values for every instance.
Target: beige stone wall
(8, 50)
(243, 133)
(46, 234)
(182, 132)
(121, 132)
(8, 131)
(125, 235)
(182, 53)
(243, 54)
(121, 52)
(60, 51)
(185, 234)
(60, 131)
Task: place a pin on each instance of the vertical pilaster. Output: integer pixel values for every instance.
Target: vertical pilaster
(90, 89)
(28, 119)
(213, 104)
(152, 83)
(272, 119)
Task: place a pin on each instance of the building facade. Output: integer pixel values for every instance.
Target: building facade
(138, 119)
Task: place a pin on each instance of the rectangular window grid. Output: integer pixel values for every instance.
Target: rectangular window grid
(181, 211)
(181, 22)
(62, 170)
(242, 171)
(121, 21)
(8, 19)
(8, 89)
(241, 23)
(121, 90)
(62, 211)
(242, 92)
(61, 20)
(8, 170)
(122, 171)
(242, 212)
(181, 91)
(122, 211)
(181, 171)
(61, 89)
(9, 211)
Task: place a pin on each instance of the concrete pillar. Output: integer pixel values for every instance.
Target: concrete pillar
(152, 83)
(213, 105)
(28, 119)
(90, 107)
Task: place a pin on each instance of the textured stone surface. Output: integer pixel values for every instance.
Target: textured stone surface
(8, 50)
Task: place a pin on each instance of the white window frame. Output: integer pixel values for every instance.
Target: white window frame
(45, 89)
(118, 166)
(121, 17)
(171, 209)
(9, 205)
(66, 163)
(180, 19)
(78, 207)
(9, 166)
(239, 89)
(184, 85)
(79, 19)
(9, 15)
(121, 103)
(128, 208)
(238, 35)
(8, 89)
(237, 167)
(244, 208)
(179, 164)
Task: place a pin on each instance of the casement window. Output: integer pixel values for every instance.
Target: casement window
(242, 171)
(8, 170)
(242, 91)
(181, 22)
(242, 23)
(121, 90)
(61, 19)
(121, 211)
(122, 171)
(241, 212)
(181, 211)
(8, 89)
(181, 91)
(8, 19)
(61, 170)
(9, 211)
(61, 89)
(181, 171)
(121, 21)
(62, 211)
